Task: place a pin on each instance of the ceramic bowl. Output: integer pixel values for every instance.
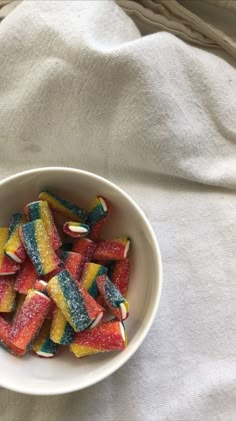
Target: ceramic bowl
(66, 373)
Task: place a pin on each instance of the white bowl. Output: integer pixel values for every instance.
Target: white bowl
(66, 373)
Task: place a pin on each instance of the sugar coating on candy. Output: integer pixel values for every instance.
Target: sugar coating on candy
(38, 247)
(107, 336)
(73, 262)
(89, 275)
(84, 246)
(26, 277)
(119, 274)
(97, 210)
(116, 249)
(66, 294)
(13, 247)
(29, 319)
(98, 213)
(76, 229)
(7, 266)
(95, 310)
(67, 208)
(38, 322)
(5, 342)
(7, 294)
(40, 210)
(61, 331)
(43, 345)
(117, 304)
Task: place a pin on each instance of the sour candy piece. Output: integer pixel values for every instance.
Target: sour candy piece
(13, 247)
(119, 274)
(61, 331)
(78, 307)
(98, 213)
(76, 229)
(38, 247)
(63, 206)
(29, 319)
(26, 277)
(5, 342)
(41, 210)
(7, 266)
(84, 246)
(116, 303)
(116, 249)
(41, 285)
(73, 262)
(89, 275)
(44, 346)
(7, 294)
(107, 336)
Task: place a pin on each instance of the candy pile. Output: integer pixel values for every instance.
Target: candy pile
(54, 294)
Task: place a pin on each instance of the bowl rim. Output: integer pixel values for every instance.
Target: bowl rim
(158, 267)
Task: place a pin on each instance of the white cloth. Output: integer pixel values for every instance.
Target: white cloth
(80, 87)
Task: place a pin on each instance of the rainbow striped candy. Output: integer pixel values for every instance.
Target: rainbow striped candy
(76, 229)
(73, 262)
(41, 210)
(116, 249)
(61, 331)
(119, 274)
(7, 266)
(78, 307)
(88, 279)
(116, 303)
(65, 207)
(107, 336)
(38, 247)
(13, 247)
(29, 319)
(98, 213)
(26, 277)
(5, 342)
(7, 294)
(84, 246)
(44, 346)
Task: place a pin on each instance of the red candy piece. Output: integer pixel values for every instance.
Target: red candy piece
(5, 329)
(94, 310)
(74, 263)
(120, 275)
(116, 249)
(29, 319)
(84, 246)
(108, 336)
(26, 277)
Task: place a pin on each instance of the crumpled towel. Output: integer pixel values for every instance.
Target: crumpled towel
(177, 17)
(81, 87)
(180, 17)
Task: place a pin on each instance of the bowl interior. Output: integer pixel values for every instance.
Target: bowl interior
(66, 373)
